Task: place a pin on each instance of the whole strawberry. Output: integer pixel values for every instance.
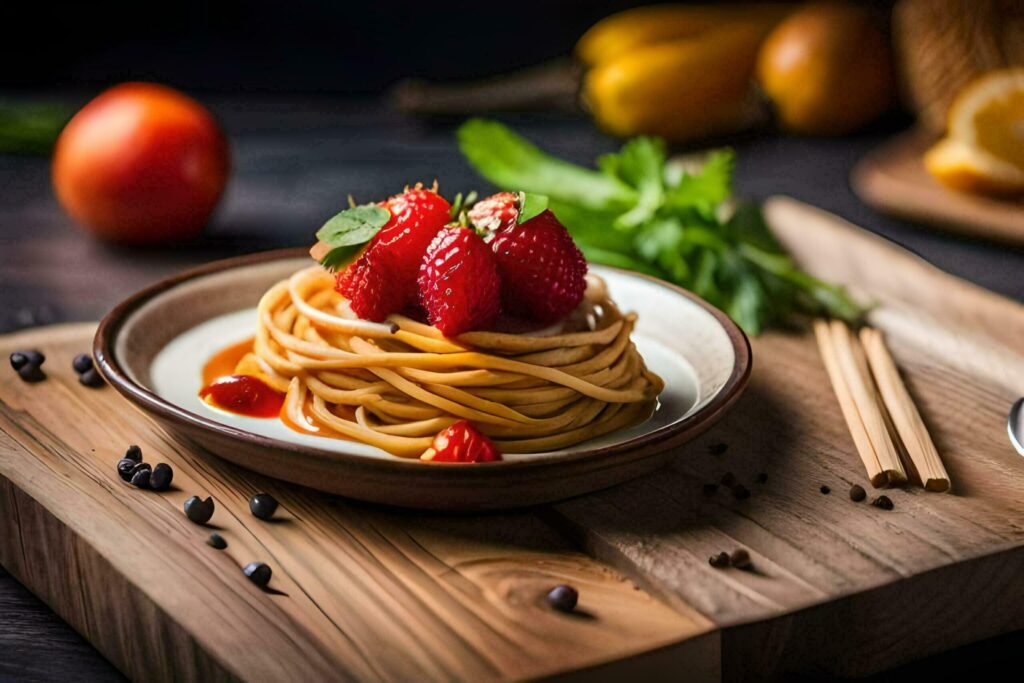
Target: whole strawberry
(497, 212)
(461, 442)
(542, 271)
(458, 282)
(369, 285)
(394, 255)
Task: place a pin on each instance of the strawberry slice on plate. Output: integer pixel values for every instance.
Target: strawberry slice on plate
(461, 442)
(458, 282)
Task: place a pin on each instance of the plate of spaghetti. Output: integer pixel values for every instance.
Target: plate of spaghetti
(429, 356)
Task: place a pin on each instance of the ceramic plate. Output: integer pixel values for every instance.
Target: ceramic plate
(153, 346)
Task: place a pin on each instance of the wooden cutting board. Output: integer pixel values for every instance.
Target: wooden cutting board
(363, 592)
(893, 179)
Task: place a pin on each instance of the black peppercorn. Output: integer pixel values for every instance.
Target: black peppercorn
(857, 493)
(82, 363)
(259, 573)
(728, 479)
(92, 379)
(263, 505)
(825, 489)
(740, 558)
(740, 492)
(217, 541)
(18, 360)
(31, 373)
(563, 598)
(134, 453)
(34, 357)
(198, 510)
(141, 476)
(719, 561)
(718, 448)
(710, 489)
(161, 478)
(125, 468)
(883, 502)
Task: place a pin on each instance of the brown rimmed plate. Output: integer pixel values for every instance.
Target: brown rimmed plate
(152, 346)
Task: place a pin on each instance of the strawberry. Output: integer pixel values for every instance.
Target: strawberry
(383, 279)
(497, 212)
(542, 271)
(459, 285)
(368, 283)
(461, 442)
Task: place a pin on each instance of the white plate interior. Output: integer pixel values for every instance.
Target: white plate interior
(677, 338)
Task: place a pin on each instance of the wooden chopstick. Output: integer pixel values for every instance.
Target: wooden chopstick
(905, 416)
(826, 345)
(865, 397)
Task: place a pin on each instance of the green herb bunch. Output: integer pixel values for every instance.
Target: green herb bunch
(639, 211)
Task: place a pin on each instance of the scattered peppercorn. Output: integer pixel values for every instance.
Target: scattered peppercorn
(719, 561)
(217, 541)
(883, 502)
(134, 453)
(825, 489)
(198, 510)
(259, 573)
(141, 476)
(728, 479)
(82, 363)
(161, 478)
(740, 492)
(92, 379)
(31, 373)
(857, 493)
(563, 598)
(263, 505)
(34, 357)
(740, 558)
(718, 448)
(125, 468)
(710, 489)
(18, 360)
(761, 478)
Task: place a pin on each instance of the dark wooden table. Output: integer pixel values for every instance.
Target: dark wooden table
(294, 164)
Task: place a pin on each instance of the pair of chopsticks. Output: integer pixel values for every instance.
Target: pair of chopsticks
(883, 420)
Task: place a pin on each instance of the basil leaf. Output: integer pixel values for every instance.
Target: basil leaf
(531, 205)
(353, 226)
(339, 257)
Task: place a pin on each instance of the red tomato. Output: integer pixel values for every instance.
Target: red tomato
(141, 163)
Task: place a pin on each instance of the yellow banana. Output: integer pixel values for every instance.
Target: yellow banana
(622, 32)
(681, 90)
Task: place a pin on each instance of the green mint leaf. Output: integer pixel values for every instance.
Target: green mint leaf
(339, 257)
(513, 163)
(353, 226)
(531, 205)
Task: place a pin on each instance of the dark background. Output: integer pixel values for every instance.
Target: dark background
(300, 87)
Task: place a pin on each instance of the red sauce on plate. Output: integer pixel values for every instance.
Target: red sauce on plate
(244, 395)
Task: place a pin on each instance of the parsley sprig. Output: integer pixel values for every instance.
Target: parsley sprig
(639, 211)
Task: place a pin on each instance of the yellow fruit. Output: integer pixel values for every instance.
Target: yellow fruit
(620, 33)
(827, 69)
(967, 169)
(984, 150)
(681, 90)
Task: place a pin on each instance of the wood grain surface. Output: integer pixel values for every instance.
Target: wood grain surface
(892, 178)
(836, 587)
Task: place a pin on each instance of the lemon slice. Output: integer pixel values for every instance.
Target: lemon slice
(984, 149)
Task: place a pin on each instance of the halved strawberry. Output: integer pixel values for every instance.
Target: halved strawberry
(461, 442)
(542, 271)
(497, 212)
(458, 282)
